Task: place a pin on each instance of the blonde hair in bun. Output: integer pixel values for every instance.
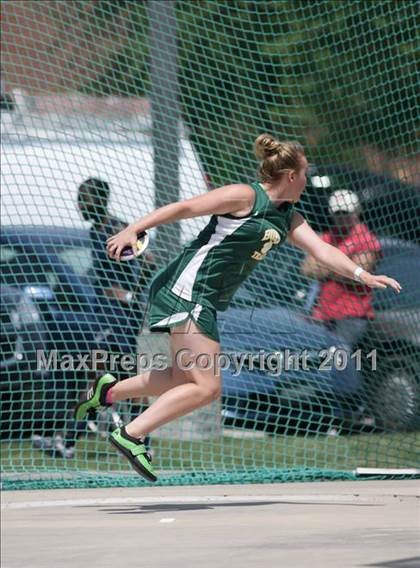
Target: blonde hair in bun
(276, 158)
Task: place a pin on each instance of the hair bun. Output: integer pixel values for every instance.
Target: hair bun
(266, 145)
(277, 157)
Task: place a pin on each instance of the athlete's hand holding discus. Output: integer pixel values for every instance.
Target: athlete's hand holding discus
(247, 221)
(127, 244)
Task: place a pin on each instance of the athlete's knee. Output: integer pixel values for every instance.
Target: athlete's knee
(216, 392)
(209, 386)
(210, 390)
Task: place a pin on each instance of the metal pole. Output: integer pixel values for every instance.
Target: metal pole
(165, 116)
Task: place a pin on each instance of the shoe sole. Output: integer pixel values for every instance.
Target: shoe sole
(82, 417)
(138, 467)
(91, 411)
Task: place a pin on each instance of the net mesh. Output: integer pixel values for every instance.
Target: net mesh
(162, 101)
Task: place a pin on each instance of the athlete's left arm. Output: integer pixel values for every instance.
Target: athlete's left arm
(304, 237)
(313, 269)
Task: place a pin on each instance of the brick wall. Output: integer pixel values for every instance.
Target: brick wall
(54, 45)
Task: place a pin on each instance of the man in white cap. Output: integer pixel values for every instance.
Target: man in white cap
(343, 305)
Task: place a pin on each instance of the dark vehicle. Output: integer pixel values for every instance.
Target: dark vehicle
(23, 333)
(389, 207)
(270, 314)
(49, 304)
(288, 383)
(395, 335)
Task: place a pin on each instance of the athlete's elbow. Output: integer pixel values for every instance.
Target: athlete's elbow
(214, 392)
(306, 268)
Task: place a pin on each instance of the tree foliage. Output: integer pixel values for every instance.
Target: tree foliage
(335, 75)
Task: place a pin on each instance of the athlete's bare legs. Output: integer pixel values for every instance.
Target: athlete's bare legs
(179, 391)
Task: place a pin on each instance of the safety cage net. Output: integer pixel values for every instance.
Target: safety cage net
(110, 109)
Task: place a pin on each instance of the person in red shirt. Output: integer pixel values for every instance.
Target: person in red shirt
(345, 306)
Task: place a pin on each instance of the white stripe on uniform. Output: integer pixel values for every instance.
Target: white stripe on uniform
(183, 287)
(179, 317)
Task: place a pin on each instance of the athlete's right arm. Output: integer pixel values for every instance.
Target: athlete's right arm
(237, 198)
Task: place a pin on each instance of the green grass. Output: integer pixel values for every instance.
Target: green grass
(227, 453)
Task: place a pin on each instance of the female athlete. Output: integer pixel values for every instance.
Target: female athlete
(247, 221)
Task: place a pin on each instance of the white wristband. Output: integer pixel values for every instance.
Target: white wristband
(357, 273)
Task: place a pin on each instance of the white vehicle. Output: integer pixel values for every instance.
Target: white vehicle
(42, 167)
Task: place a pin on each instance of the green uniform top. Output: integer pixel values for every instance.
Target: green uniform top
(211, 267)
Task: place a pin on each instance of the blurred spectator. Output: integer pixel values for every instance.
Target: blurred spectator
(114, 282)
(345, 306)
(118, 307)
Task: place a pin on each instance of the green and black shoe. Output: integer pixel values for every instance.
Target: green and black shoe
(95, 397)
(135, 451)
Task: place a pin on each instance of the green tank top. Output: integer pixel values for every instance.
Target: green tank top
(211, 267)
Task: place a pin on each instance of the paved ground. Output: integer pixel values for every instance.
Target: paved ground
(312, 525)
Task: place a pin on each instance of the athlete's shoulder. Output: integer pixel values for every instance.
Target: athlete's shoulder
(240, 196)
(244, 188)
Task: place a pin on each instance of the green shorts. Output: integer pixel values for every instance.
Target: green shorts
(167, 310)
